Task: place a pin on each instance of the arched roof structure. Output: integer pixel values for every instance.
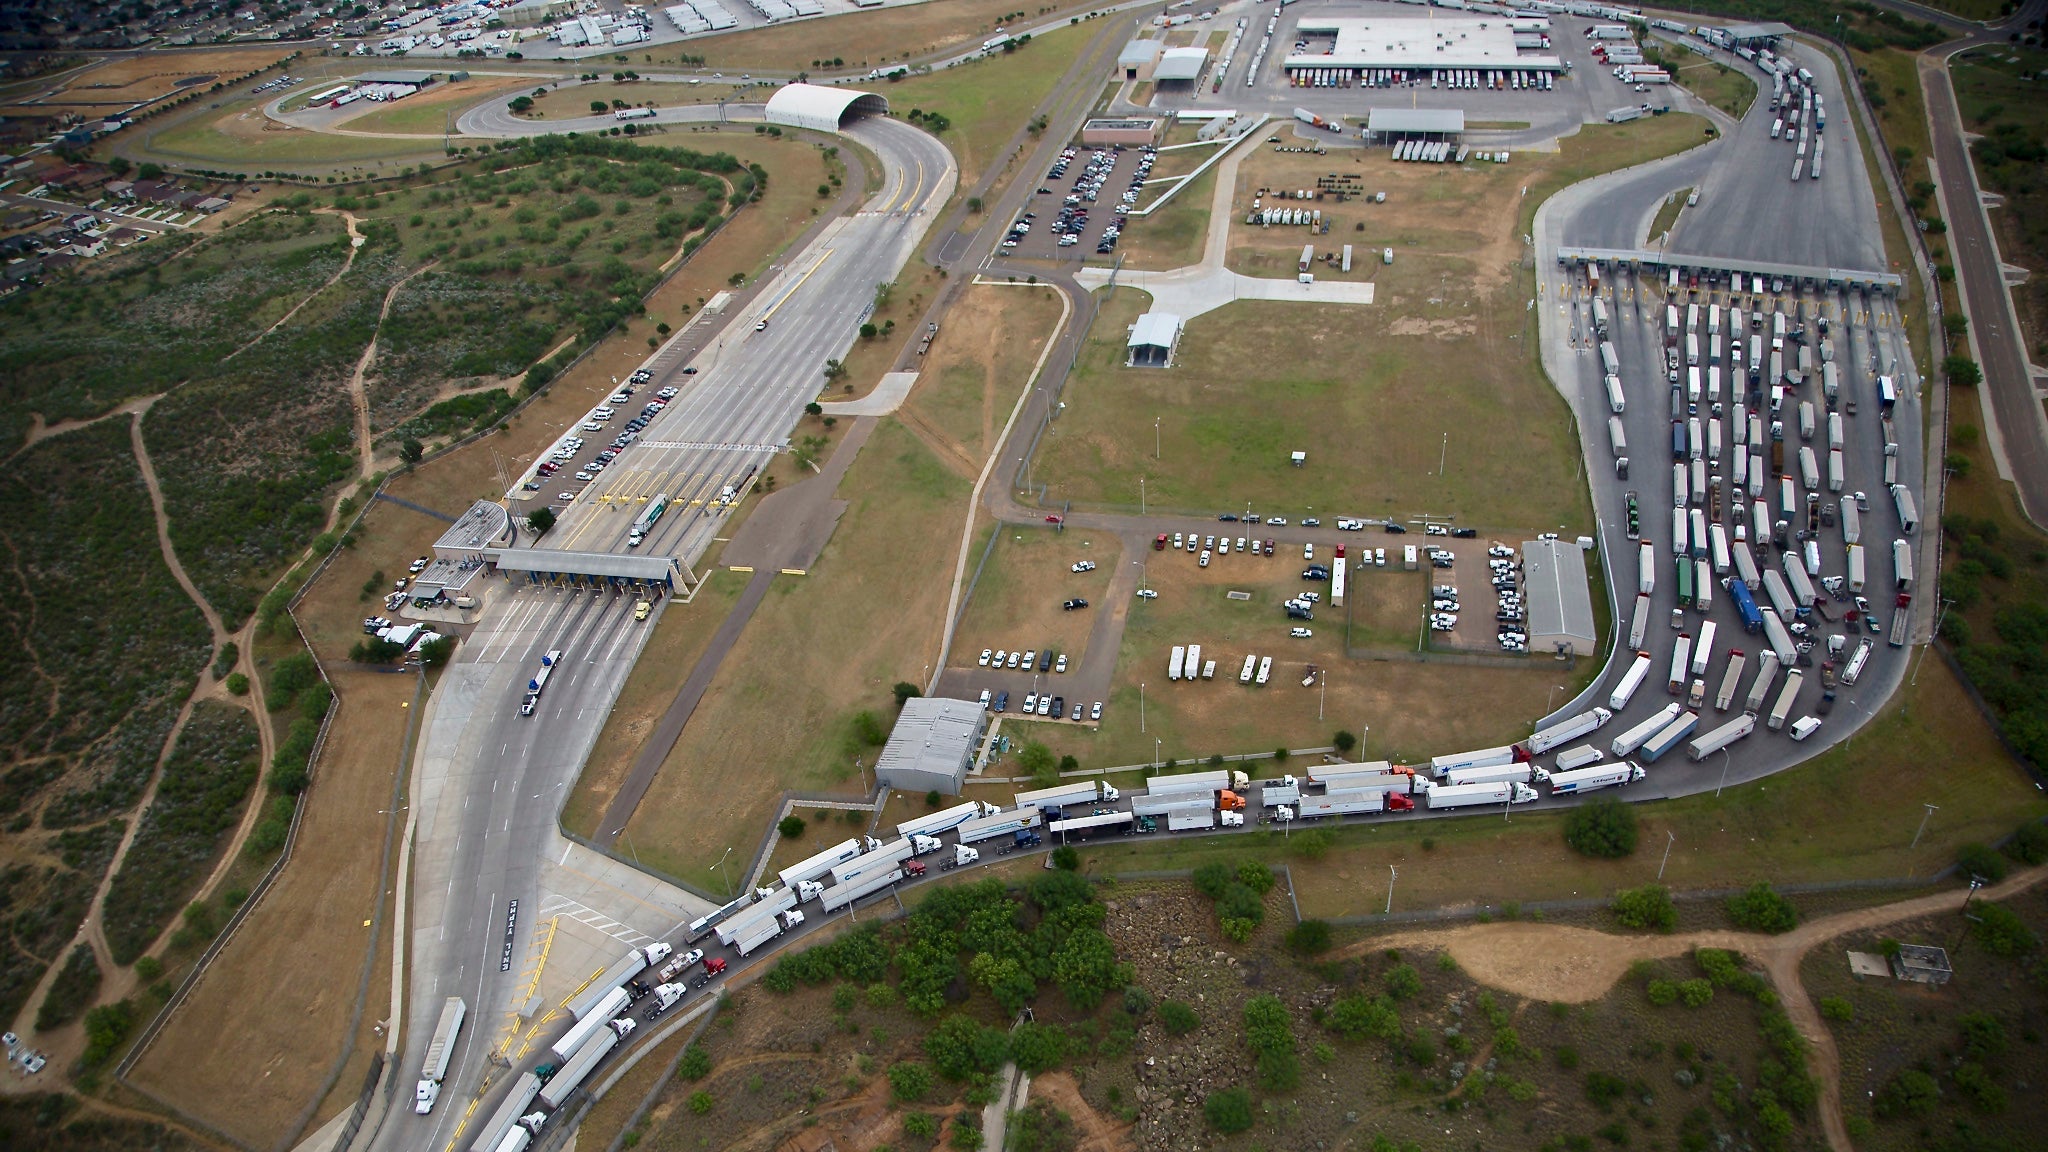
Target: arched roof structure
(823, 109)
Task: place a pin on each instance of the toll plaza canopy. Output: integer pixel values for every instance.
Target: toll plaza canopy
(1430, 122)
(821, 108)
(550, 564)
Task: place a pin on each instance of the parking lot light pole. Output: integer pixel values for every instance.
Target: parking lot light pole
(1156, 742)
(1724, 773)
(1141, 707)
(1392, 875)
(1925, 817)
(1667, 854)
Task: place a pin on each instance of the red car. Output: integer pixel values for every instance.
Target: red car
(1054, 520)
(1159, 543)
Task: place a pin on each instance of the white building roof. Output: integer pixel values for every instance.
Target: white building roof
(930, 744)
(1139, 52)
(1559, 597)
(1415, 120)
(1411, 43)
(821, 108)
(1155, 330)
(1181, 64)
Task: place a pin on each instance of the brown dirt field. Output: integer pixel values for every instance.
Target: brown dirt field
(123, 81)
(861, 39)
(1017, 602)
(571, 103)
(1434, 211)
(970, 379)
(1097, 1133)
(868, 615)
(286, 1039)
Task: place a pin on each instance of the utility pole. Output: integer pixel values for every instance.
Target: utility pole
(1391, 877)
(1667, 854)
(1155, 437)
(1925, 817)
(1322, 690)
(1141, 707)
(1443, 455)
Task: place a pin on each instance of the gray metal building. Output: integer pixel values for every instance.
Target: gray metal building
(932, 745)
(1559, 596)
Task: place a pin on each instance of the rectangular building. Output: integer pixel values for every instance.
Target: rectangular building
(931, 746)
(1559, 597)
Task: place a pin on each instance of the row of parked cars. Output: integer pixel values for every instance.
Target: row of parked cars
(1043, 660)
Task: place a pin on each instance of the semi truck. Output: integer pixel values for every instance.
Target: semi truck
(865, 884)
(1745, 562)
(1635, 737)
(816, 866)
(1000, 824)
(627, 967)
(1056, 799)
(1745, 606)
(1858, 660)
(1902, 501)
(947, 820)
(702, 925)
(1902, 565)
(1646, 569)
(1759, 688)
(1587, 779)
(491, 1135)
(1566, 730)
(1522, 772)
(1442, 766)
(887, 856)
(758, 924)
(577, 1068)
(1630, 681)
(1639, 622)
(1779, 639)
(1466, 795)
(1786, 696)
(1730, 680)
(1858, 571)
(1286, 790)
(1351, 802)
(439, 1049)
(1574, 759)
(1681, 655)
(1669, 737)
(1902, 620)
(1175, 663)
(1727, 734)
(608, 1006)
(1186, 782)
(1797, 582)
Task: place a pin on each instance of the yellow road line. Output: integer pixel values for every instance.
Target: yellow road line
(777, 306)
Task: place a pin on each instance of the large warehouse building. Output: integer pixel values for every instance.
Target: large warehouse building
(1559, 597)
(931, 746)
(820, 108)
(1485, 45)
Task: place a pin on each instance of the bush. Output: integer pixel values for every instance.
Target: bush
(922, 1125)
(237, 684)
(1977, 860)
(1695, 993)
(2029, 843)
(1309, 937)
(1663, 993)
(1269, 1033)
(1836, 1009)
(1356, 1017)
(106, 1027)
(1178, 1018)
(1760, 909)
(1066, 859)
(2002, 932)
(695, 1064)
(1605, 828)
(791, 826)
(1228, 1111)
(1910, 1093)
(1646, 907)
(909, 1082)
(1403, 981)
(71, 991)
(701, 1102)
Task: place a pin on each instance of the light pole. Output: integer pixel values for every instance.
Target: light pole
(1925, 817)
(1322, 690)
(1141, 707)
(1156, 743)
(1667, 854)
(722, 872)
(1724, 773)
(1443, 455)
(1155, 437)
(1141, 495)
(1551, 699)
(1391, 877)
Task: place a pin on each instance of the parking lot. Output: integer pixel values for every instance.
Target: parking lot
(1079, 207)
(605, 432)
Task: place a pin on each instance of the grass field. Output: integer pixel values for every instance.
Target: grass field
(970, 380)
(1849, 814)
(1365, 392)
(571, 102)
(1017, 601)
(1406, 709)
(1173, 236)
(988, 100)
(866, 617)
(120, 82)
(864, 39)
(241, 137)
(430, 112)
(1598, 148)
(1667, 214)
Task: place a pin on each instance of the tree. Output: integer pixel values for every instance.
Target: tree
(376, 651)
(932, 799)
(1228, 1111)
(540, 520)
(1910, 1093)
(868, 727)
(1961, 370)
(1760, 909)
(1977, 860)
(909, 1082)
(1086, 968)
(1403, 981)
(791, 826)
(1606, 828)
(521, 104)
(868, 331)
(1005, 978)
(118, 165)
(814, 409)
(149, 171)
(411, 451)
(1037, 760)
(695, 1064)
(1646, 907)
(1343, 742)
(1038, 1047)
(1357, 1017)
(2002, 932)
(960, 1048)
(905, 692)
(435, 653)
(1309, 937)
(1066, 859)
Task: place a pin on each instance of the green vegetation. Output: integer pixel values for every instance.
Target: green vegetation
(198, 801)
(1605, 828)
(1228, 1110)
(1647, 907)
(71, 991)
(1760, 909)
(1997, 93)
(976, 107)
(1239, 892)
(1861, 25)
(2001, 579)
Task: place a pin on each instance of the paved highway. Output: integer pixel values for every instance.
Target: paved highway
(489, 783)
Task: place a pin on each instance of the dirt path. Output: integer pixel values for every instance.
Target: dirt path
(358, 395)
(39, 431)
(953, 454)
(1096, 1134)
(1575, 965)
(355, 245)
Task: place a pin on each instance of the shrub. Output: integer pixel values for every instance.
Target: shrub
(1229, 1110)
(2029, 843)
(1605, 828)
(1646, 907)
(1909, 1093)
(964, 1135)
(1403, 982)
(909, 1082)
(701, 1102)
(1178, 1018)
(1663, 993)
(2002, 932)
(1695, 993)
(791, 826)
(237, 684)
(71, 991)
(695, 1064)
(1309, 937)
(1066, 859)
(106, 1027)
(1357, 1017)
(1760, 909)
(1269, 1033)
(923, 1125)
(1977, 860)
(1836, 1009)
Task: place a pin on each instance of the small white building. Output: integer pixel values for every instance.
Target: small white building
(1152, 341)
